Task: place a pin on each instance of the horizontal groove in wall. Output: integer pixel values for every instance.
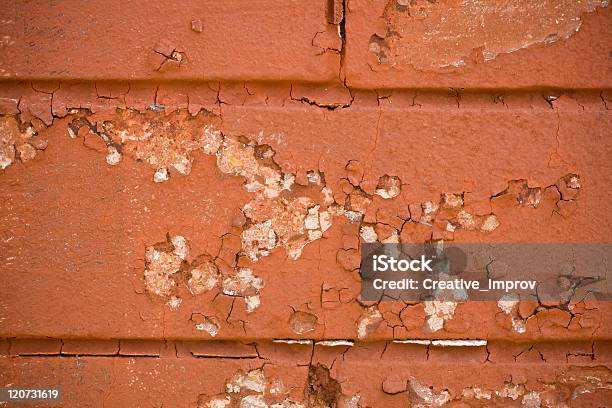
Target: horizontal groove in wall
(213, 349)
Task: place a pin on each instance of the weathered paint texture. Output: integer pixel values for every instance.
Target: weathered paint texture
(183, 197)
(453, 30)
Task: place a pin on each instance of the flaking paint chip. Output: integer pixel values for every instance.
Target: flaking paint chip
(196, 25)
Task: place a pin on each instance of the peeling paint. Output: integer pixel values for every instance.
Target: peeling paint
(252, 389)
(18, 141)
(161, 266)
(253, 380)
(210, 325)
(434, 36)
(389, 187)
(423, 396)
(302, 322)
(369, 321)
(243, 283)
(437, 312)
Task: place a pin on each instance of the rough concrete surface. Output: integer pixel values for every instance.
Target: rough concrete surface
(184, 189)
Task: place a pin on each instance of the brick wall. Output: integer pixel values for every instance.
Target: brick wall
(184, 189)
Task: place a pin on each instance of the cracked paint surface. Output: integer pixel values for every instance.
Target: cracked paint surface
(129, 133)
(227, 233)
(184, 198)
(18, 142)
(454, 31)
(170, 266)
(278, 216)
(288, 212)
(252, 389)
